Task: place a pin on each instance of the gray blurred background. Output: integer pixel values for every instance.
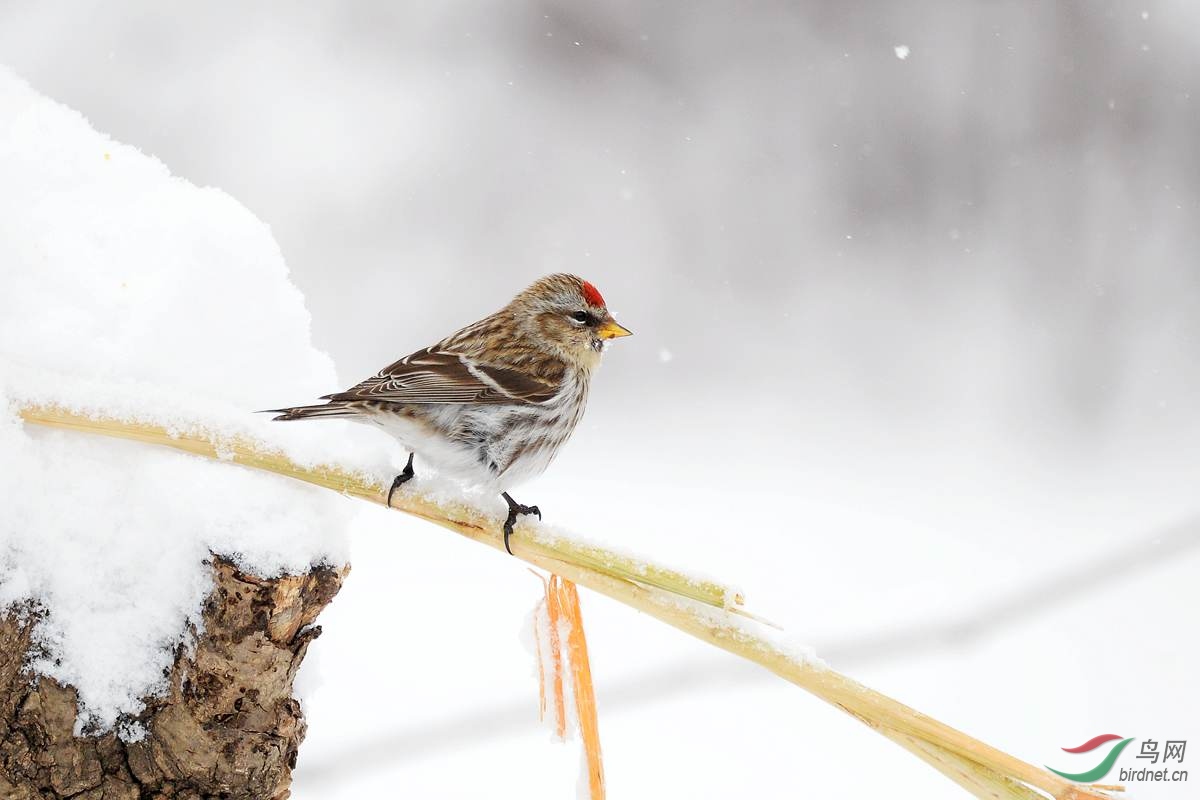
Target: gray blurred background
(1000, 228)
(917, 350)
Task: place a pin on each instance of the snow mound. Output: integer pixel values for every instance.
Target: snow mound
(126, 290)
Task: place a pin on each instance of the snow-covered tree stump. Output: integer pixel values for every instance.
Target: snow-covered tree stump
(228, 727)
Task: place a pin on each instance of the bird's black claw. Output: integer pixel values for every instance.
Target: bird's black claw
(508, 529)
(401, 479)
(515, 509)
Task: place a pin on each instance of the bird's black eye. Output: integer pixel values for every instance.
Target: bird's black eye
(581, 316)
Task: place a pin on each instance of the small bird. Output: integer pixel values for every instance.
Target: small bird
(491, 404)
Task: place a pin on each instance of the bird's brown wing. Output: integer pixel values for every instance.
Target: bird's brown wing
(439, 376)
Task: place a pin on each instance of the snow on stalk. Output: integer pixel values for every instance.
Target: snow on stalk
(701, 608)
(460, 518)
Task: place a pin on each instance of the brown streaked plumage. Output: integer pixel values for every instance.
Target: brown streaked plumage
(491, 404)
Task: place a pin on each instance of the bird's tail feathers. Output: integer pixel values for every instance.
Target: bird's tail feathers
(334, 409)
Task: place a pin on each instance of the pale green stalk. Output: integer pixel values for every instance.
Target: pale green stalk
(698, 607)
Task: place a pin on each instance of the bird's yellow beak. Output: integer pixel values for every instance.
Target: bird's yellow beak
(611, 330)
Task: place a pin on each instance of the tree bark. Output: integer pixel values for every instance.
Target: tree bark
(227, 728)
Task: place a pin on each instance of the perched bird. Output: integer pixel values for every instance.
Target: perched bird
(491, 404)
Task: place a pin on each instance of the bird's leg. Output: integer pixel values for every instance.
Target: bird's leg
(515, 508)
(402, 478)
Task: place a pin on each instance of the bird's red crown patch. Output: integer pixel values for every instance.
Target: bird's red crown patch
(592, 295)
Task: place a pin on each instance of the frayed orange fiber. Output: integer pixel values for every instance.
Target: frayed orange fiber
(563, 617)
(581, 681)
(554, 614)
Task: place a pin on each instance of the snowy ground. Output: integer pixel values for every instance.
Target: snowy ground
(1029, 615)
